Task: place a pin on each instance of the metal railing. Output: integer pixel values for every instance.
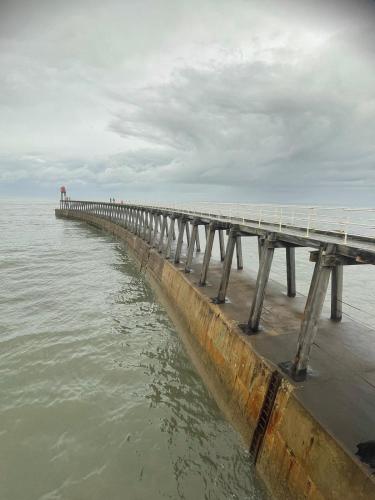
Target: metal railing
(341, 222)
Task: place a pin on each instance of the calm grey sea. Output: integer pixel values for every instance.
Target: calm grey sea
(98, 399)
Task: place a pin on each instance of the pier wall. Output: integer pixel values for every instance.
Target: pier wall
(298, 458)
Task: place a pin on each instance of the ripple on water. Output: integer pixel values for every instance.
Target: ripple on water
(99, 399)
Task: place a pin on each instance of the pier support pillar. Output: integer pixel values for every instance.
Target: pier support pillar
(227, 266)
(162, 232)
(291, 271)
(145, 226)
(155, 231)
(221, 245)
(261, 283)
(336, 292)
(190, 252)
(170, 238)
(197, 241)
(149, 229)
(207, 253)
(180, 239)
(239, 252)
(187, 228)
(313, 309)
(260, 248)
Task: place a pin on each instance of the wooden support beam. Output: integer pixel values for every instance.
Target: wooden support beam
(221, 245)
(291, 271)
(340, 259)
(313, 309)
(170, 238)
(189, 257)
(207, 253)
(336, 292)
(239, 252)
(261, 283)
(180, 239)
(227, 266)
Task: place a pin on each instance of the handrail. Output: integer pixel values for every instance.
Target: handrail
(339, 221)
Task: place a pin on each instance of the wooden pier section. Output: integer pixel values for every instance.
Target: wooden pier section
(329, 362)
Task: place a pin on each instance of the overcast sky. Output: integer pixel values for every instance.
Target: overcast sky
(268, 100)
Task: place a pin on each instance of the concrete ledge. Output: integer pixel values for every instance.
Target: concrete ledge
(298, 457)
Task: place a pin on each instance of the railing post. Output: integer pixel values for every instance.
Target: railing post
(227, 266)
(261, 283)
(291, 271)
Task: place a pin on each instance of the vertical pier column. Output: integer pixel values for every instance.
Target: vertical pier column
(291, 270)
(336, 292)
(180, 239)
(207, 253)
(239, 252)
(197, 241)
(227, 266)
(141, 222)
(187, 228)
(155, 231)
(221, 244)
(260, 248)
(147, 224)
(170, 238)
(149, 229)
(261, 283)
(189, 257)
(162, 232)
(313, 310)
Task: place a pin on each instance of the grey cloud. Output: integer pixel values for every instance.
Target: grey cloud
(216, 98)
(257, 122)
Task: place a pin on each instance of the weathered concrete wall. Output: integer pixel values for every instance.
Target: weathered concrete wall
(298, 458)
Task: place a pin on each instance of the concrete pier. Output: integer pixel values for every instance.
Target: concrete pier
(302, 388)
